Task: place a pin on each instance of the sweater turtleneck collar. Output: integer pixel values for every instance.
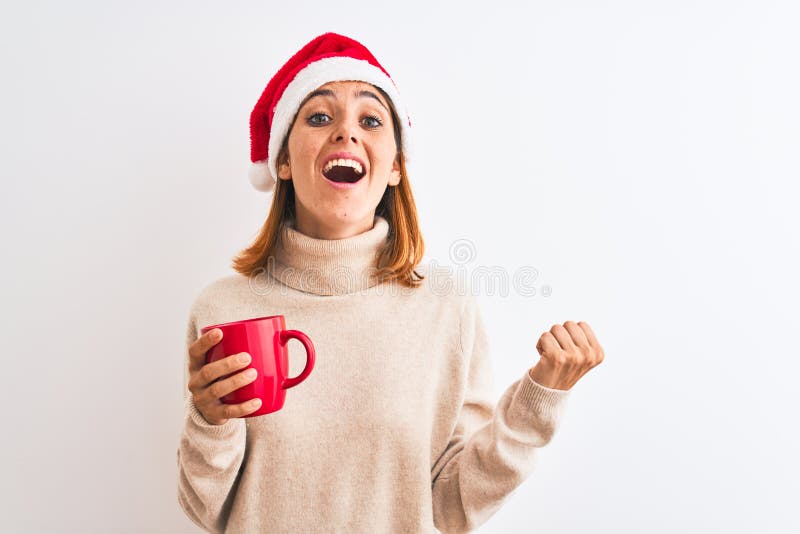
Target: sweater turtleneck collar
(328, 266)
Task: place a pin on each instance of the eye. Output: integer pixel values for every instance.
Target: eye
(376, 121)
(313, 122)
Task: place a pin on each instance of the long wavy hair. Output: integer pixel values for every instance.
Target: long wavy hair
(405, 246)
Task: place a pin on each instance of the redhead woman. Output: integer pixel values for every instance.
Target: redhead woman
(396, 429)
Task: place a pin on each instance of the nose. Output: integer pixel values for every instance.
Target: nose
(352, 138)
(345, 130)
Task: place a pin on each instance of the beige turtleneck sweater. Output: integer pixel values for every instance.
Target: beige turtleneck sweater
(395, 430)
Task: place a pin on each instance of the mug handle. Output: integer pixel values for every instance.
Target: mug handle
(284, 336)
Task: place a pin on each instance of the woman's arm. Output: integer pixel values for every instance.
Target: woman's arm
(209, 459)
(492, 448)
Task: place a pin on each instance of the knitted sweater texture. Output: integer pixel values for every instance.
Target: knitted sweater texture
(396, 430)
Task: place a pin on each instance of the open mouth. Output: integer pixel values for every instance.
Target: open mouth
(343, 171)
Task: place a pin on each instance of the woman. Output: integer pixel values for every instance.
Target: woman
(395, 430)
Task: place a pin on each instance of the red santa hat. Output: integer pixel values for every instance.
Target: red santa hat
(327, 58)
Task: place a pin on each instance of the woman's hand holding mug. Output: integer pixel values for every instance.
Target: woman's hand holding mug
(205, 387)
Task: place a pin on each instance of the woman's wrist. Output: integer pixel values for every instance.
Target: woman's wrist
(546, 377)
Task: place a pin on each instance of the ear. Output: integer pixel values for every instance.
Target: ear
(394, 176)
(284, 169)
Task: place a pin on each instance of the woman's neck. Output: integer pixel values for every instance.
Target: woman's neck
(308, 224)
(329, 266)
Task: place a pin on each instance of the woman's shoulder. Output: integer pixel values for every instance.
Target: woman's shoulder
(218, 292)
(444, 284)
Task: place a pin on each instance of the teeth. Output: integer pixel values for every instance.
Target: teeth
(343, 163)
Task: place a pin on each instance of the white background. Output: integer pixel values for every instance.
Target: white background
(642, 156)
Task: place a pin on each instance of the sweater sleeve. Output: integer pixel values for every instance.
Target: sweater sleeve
(209, 459)
(492, 449)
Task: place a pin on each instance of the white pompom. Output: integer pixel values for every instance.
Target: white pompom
(260, 177)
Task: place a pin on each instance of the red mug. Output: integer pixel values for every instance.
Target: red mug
(265, 339)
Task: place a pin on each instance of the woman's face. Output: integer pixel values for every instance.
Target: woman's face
(347, 121)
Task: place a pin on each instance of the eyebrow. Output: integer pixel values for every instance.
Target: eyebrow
(330, 93)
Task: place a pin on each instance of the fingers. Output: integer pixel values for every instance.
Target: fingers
(220, 413)
(548, 344)
(577, 335)
(589, 334)
(592, 340)
(219, 389)
(217, 379)
(198, 349)
(568, 351)
(562, 336)
(208, 374)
